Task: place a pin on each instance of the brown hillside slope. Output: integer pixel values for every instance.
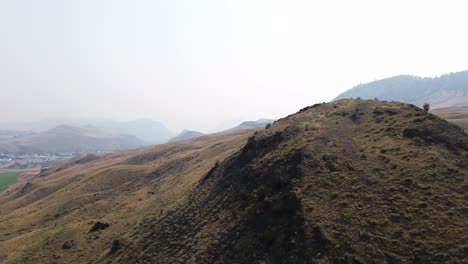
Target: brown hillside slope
(120, 189)
(456, 115)
(65, 139)
(347, 182)
(344, 182)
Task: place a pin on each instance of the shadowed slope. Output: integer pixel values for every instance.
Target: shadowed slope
(344, 182)
(336, 183)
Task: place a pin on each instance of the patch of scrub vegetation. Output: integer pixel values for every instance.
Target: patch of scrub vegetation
(8, 178)
(353, 181)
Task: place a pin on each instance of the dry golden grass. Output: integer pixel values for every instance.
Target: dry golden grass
(120, 189)
(456, 115)
(345, 182)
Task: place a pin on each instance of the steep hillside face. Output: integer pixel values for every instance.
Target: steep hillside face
(344, 182)
(348, 182)
(450, 90)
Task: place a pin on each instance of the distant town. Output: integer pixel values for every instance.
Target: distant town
(26, 161)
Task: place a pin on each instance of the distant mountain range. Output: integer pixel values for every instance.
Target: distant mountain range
(189, 134)
(251, 124)
(74, 135)
(186, 135)
(450, 90)
(147, 130)
(65, 139)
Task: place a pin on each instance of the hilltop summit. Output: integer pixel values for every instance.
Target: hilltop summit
(351, 181)
(186, 135)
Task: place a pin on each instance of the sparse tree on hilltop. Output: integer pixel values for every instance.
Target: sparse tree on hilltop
(426, 107)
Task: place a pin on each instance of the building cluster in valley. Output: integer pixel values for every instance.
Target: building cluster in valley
(11, 161)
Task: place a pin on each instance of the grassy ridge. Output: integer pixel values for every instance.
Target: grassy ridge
(8, 178)
(353, 181)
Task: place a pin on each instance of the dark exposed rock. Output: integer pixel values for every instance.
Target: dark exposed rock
(356, 115)
(389, 111)
(210, 172)
(319, 238)
(330, 162)
(438, 132)
(43, 172)
(259, 146)
(86, 159)
(463, 163)
(99, 226)
(309, 107)
(68, 244)
(25, 188)
(115, 246)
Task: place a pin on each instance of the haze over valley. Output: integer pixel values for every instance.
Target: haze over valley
(273, 132)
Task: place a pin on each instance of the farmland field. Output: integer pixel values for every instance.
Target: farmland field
(8, 178)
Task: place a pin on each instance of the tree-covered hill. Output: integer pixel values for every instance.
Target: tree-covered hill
(450, 90)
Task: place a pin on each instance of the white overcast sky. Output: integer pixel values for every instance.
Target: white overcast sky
(194, 64)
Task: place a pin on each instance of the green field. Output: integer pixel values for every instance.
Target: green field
(8, 178)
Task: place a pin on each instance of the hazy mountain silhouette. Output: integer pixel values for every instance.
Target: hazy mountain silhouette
(147, 130)
(251, 124)
(186, 135)
(450, 90)
(65, 139)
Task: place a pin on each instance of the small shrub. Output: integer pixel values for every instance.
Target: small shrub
(334, 195)
(423, 205)
(280, 181)
(397, 233)
(261, 193)
(426, 107)
(269, 236)
(68, 244)
(268, 126)
(115, 246)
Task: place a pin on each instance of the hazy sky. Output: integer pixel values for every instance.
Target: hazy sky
(196, 63)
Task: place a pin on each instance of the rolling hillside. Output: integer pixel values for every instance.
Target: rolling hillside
(186, 135)
(344, 182)
(450, 90)
(260, 123)
(65, 139)
(456, 115)
(146, 130)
